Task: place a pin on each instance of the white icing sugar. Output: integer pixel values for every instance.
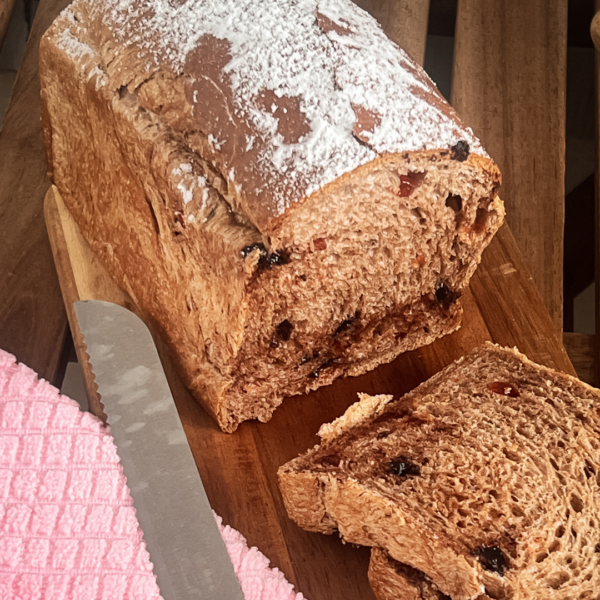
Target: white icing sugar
(186, 193)
(214, 142)
(188, 184)
(74, 47)
(278, 45)
(100, 75)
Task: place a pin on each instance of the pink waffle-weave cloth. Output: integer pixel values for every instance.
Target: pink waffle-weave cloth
(68, 528)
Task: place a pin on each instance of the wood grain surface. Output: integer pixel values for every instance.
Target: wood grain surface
(509, 85)
(6, 10)
(580, 347)
(404, 21)
(33, 323)
(239, 470)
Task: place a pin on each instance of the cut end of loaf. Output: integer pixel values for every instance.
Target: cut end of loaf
(375, 264)
(485, 477)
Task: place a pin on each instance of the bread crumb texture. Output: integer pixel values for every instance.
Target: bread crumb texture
(484, 478)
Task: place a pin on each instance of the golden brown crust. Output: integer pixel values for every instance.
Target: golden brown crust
(307, 507)
(366, 408)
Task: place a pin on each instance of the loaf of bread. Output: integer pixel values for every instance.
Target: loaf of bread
(277, 186)
(484, 478)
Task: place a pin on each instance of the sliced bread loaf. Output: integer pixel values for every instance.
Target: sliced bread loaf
(276, 184)
(485, 478)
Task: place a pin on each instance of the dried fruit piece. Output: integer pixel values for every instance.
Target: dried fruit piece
(460, 151)
(277, 259)
(179, 219)
(331, 460)
(320, 243)
(324, 365)
(344, 326)
(504, 388)
(266, 260)
(492, 559)
(247, 250)
(409, 182)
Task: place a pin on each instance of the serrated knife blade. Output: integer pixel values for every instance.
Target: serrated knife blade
(189, 556)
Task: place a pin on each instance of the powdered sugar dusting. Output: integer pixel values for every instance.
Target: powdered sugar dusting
(100, 77)
(186, 193)
(189, 185)
(74, 47)
(327, 54)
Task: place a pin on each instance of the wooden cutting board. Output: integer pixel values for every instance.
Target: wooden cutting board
(239, 470)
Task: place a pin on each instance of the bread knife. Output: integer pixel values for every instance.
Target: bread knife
(182, 537)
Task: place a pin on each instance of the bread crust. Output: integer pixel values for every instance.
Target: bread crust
(212, 86)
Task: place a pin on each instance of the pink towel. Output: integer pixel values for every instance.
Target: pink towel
(68, 529)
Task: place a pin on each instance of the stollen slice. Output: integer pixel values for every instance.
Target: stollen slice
(484, 478)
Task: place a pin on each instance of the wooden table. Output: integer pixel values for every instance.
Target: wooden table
(239, 470)
(33, 322)
(503, 305)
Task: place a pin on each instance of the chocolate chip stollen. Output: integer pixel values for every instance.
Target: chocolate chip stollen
(276, 184)
(485, 479)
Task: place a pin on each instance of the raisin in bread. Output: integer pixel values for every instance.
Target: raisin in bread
(392, 580)
(276, 184)
(485, 478)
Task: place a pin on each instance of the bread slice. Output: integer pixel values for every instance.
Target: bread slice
(485, 478)
(392, 580)
(275, 183)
